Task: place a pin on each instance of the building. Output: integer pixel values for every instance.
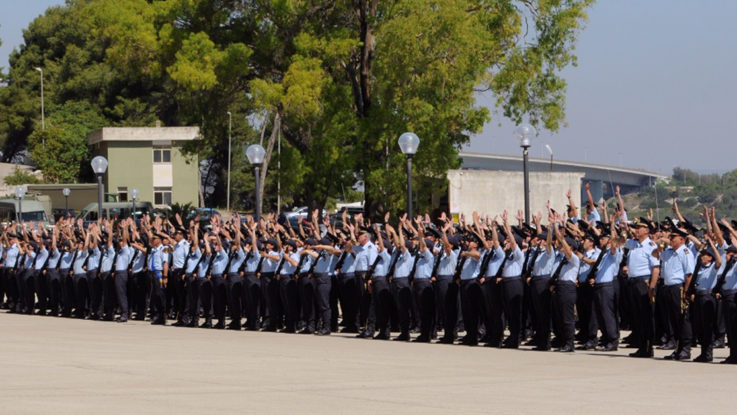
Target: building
(151, 160)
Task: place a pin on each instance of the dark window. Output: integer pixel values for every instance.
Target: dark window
(157, 156)
(166, 156)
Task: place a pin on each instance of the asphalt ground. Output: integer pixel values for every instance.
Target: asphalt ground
(52, 365)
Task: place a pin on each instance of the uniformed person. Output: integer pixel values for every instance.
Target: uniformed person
(563, 285)
(588, 322)
(400, 281)
(603, 282)
(512, 285)
(641, 265)
(703, 301)
(542, 266)
(446, 289)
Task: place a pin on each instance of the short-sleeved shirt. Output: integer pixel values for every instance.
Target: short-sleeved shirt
(609, 266)
(675, 264)
(640, 260)
(425, 262)
(513, 266)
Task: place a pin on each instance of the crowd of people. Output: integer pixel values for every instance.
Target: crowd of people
(564, 279)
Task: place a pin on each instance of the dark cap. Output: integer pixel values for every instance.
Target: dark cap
(292, 243)
(311, 241)
(325, 241)
(710, 252)
(678, 232)
(732, 249)
(432, 232)
(271, 241)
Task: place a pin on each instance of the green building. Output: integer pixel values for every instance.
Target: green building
(149, 159)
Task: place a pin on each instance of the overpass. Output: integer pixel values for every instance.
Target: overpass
(603, 178)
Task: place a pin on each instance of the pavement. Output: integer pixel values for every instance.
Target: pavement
(66, 366)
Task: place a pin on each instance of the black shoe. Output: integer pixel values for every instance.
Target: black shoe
(703, 358)
(192, 323)
(404, 337)
(670, 345)
(349, 330)
(422, 339)
(206, 325)
(541, 348)
(530, 342)
(642, 353)
(718, 344)
(468, 341)
(446, 340)
(729, 361)
(382, 336)
(121, 320)
(236, 327)
(510, 345)
(220, 325)
(566, 349)
(307, 331)
(364, 335)
(611, 347)
(269, 329)
(158, 322)
(323, 332)
(179, 323)
(589, 345)
(678, 356)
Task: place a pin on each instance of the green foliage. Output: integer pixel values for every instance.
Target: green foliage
(345, 78)
(20, 177)
(183, 209)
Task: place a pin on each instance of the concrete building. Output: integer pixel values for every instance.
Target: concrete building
(603, 178)
(149, 159)
(492, 192)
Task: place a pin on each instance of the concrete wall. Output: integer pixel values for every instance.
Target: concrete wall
(130, 165)
(491, 192)
(185, 178)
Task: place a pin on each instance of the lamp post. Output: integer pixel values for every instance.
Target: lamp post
(99, 166)
(43, 120)
(230, 129)
(134, 196)
(255, 154)
(66, 192)
(20, 192)
(523, 133)
(550, 151)
(408, 143)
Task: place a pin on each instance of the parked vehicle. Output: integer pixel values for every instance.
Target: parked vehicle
(30, 211)
(205, 215)
(116, 210)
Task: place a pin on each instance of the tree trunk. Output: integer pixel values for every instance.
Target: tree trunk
(269, 149)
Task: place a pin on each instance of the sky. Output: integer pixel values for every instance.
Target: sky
(655, 86)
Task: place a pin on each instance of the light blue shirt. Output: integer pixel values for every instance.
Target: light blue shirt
(219, 262)
(675, 264)
(123, 258)
(382, 267)
(139, 261)
(349, 263)
(470, 269)
(609, 266)
(54, 258)
(544, 262)
(327, 262)
(425, 262)
(306, 263)
(156, 259)
(66, 259)
(28, 263)
(269, 265)
(204, 264)
(287, 268)
(80, 261)
(594, 217)
(730, 280)
(448, 262)
(365, 256)
(569, 271)
(107, 259)
(404, 263)
(252, 259)
(584, 268)
(238, 257)
(193, 257)
(43, 253)
(513, 266)
(11, 256)
(640, 261)
(94, 261)
(707, 278)
(179, 254)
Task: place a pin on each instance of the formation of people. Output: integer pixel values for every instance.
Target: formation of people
(563, 279)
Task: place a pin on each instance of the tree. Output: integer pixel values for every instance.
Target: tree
(21, 177)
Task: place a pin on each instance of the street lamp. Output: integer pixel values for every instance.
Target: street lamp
(43, 121)
(523, 133)
(408, 143)
(66, 192)
(99, 166)
(20, 192)
(550, 151)
(230, 129)
(255, 154)
(134, 196)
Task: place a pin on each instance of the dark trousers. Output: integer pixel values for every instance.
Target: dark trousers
(720, 322)
(441, 288)
(403, 300)
(493, 308)
(564, 300)
(366, 313)
(306, 291)
(109, 296)
(451, 301)
(54, 290)
(587, 320)
(272, 302)
(663, 329)
(350, 299)
(323, 284)
(158, 297)
(205, 289)
(68, 299)
(704, 319)
(177, 292)
(425, 299)
(193, 298)
(41, 287)
(219, 297)
(81, 295)
(28, 298)
(643, 321)
(121, 292)
(382, 298)
(252, 297)
(541, 306)
(512, 289)
(288, 298)
(143, 292)
(94, 283)
(729, 301)
(334, 301)
(678, 317)
(11, 288)
(604, 301)
(471, 307)
(235, 292)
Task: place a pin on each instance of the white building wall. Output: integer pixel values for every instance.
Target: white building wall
(491, 192)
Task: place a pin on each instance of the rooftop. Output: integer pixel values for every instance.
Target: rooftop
(109, 134)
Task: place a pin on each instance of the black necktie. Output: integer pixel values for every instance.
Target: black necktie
(723, 276)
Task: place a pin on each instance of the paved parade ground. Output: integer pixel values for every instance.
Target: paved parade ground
(65, 366)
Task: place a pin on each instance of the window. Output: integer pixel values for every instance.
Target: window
(162, 196)
(162, 154)
(123, 194)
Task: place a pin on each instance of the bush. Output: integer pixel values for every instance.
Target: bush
(21, 177)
